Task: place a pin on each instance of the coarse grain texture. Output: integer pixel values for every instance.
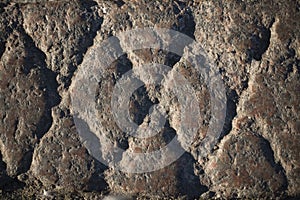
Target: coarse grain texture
(253, 44)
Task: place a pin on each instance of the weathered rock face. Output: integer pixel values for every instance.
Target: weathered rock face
(243, 166)
(63, 31)
(253, 44)
(26, 85)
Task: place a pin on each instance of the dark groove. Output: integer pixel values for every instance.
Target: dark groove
(289, 70)
(259, 43)
(269, 155)
(185, 24)
(231, 106)
(6, 31)
(35, 58)
(122, 65)
(2, 47)
(87, 41)
(141, 104)
(97, 182)
(188, 183)
(119, 3)
(8, 184)
(168, 133)
(172, 59)
(2, 164)
(2, 6)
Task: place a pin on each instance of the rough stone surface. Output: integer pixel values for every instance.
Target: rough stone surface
(26, 85)
(244, 167)
(253, 44)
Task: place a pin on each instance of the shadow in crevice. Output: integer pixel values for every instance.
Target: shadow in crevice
(188, 183)
(269, 155)
(35, 58)
(140, 105)
(97, 181)
(186, 25)
(2, 47)
(168, 133)
(7, 27)
(185, 20)
(87, 39)
(231, 112)
(259, 44)
(2, 6)
(8, 184)
(119, 3)
(172, 59)
(123, 66)
(114, 73)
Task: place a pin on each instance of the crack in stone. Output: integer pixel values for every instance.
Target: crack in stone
(6, 182)
(269, 155)
(52, 97)
(122, 66)
(119, 3)
(188, 182)
(185, 19)
(34, 59)
(231, 112)
(88, 42)
(260, 43)
(141, 103)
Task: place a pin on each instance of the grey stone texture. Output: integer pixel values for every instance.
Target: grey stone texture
(255, 45)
